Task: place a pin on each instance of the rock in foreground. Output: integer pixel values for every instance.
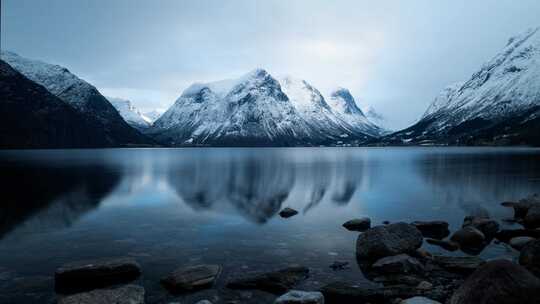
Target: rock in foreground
(530, 257)
(342, 292)
(499, 282)
(129, 294)
(301, 297)
(519, 242)
(469, 238)
(398, 264)
(85, 275)
(191, 278)
(360, 224)
(287, 212)
(392, 239)
(277, 282)
(432, 229)
(418, 300)
(463, 265)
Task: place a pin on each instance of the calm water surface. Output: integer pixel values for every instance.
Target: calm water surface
(174, 207)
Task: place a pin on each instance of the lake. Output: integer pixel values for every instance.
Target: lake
(174, 207)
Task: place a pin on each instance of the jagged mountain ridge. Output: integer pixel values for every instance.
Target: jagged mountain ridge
(255, 109)
(344, 105)
(130, 113)
(499, 104)
(81, 96)
(32, 117)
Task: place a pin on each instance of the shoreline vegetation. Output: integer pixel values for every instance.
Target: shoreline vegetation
(398, 270)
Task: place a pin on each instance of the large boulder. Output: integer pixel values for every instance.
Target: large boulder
(532, 220)
(360, 224)
(89, 274)
(191, 278)
(530, 257)
(489, 227)
(129, 294)
(277, 282)
(392, 239)
(499, 282)
(432, 229)
(301, 297)
(398, 264)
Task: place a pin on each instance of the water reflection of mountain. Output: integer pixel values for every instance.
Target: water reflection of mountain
(50, 196)
(258, 185)
(473, 180)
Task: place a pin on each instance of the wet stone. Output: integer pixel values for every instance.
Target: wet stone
(191, 278)
(519, 242)
(398, 264)
(499, 282)
(447, 245)
(458, 264)
(287, 212)
(83, 275)
(301, 297)
(360, 224)
(392, 239)
(277, 282)
(129, 294)
(432, 229)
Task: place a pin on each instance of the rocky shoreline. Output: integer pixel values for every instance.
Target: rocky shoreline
(390, 256)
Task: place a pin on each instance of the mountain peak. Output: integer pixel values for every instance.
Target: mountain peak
(342, 101)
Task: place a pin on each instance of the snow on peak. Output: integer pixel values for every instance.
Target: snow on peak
(130, 113)
(507, 84)
(343, 102)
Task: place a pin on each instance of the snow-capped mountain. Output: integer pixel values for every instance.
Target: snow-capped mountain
(344, 105)
(499, 104)
(130, 113)
(32, 117)
(80, 95)
(153, 115)
(313, 108)
(255, 109)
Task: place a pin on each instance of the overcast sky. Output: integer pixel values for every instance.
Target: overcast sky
(393, 55)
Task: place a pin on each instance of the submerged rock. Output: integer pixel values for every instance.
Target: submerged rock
(392, 239)
(419, 300)
(499, 282)
(360, 224)
(448, 245)
(432, 229)
(519, 242)
(277, 282)
(90, 274)
(398, 264)
(463, 265)
(191, 278)
(129, 294)
(288, 212)
(301, 297)
(530, 257)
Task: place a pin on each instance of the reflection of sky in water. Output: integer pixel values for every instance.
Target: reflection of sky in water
(183, 206)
